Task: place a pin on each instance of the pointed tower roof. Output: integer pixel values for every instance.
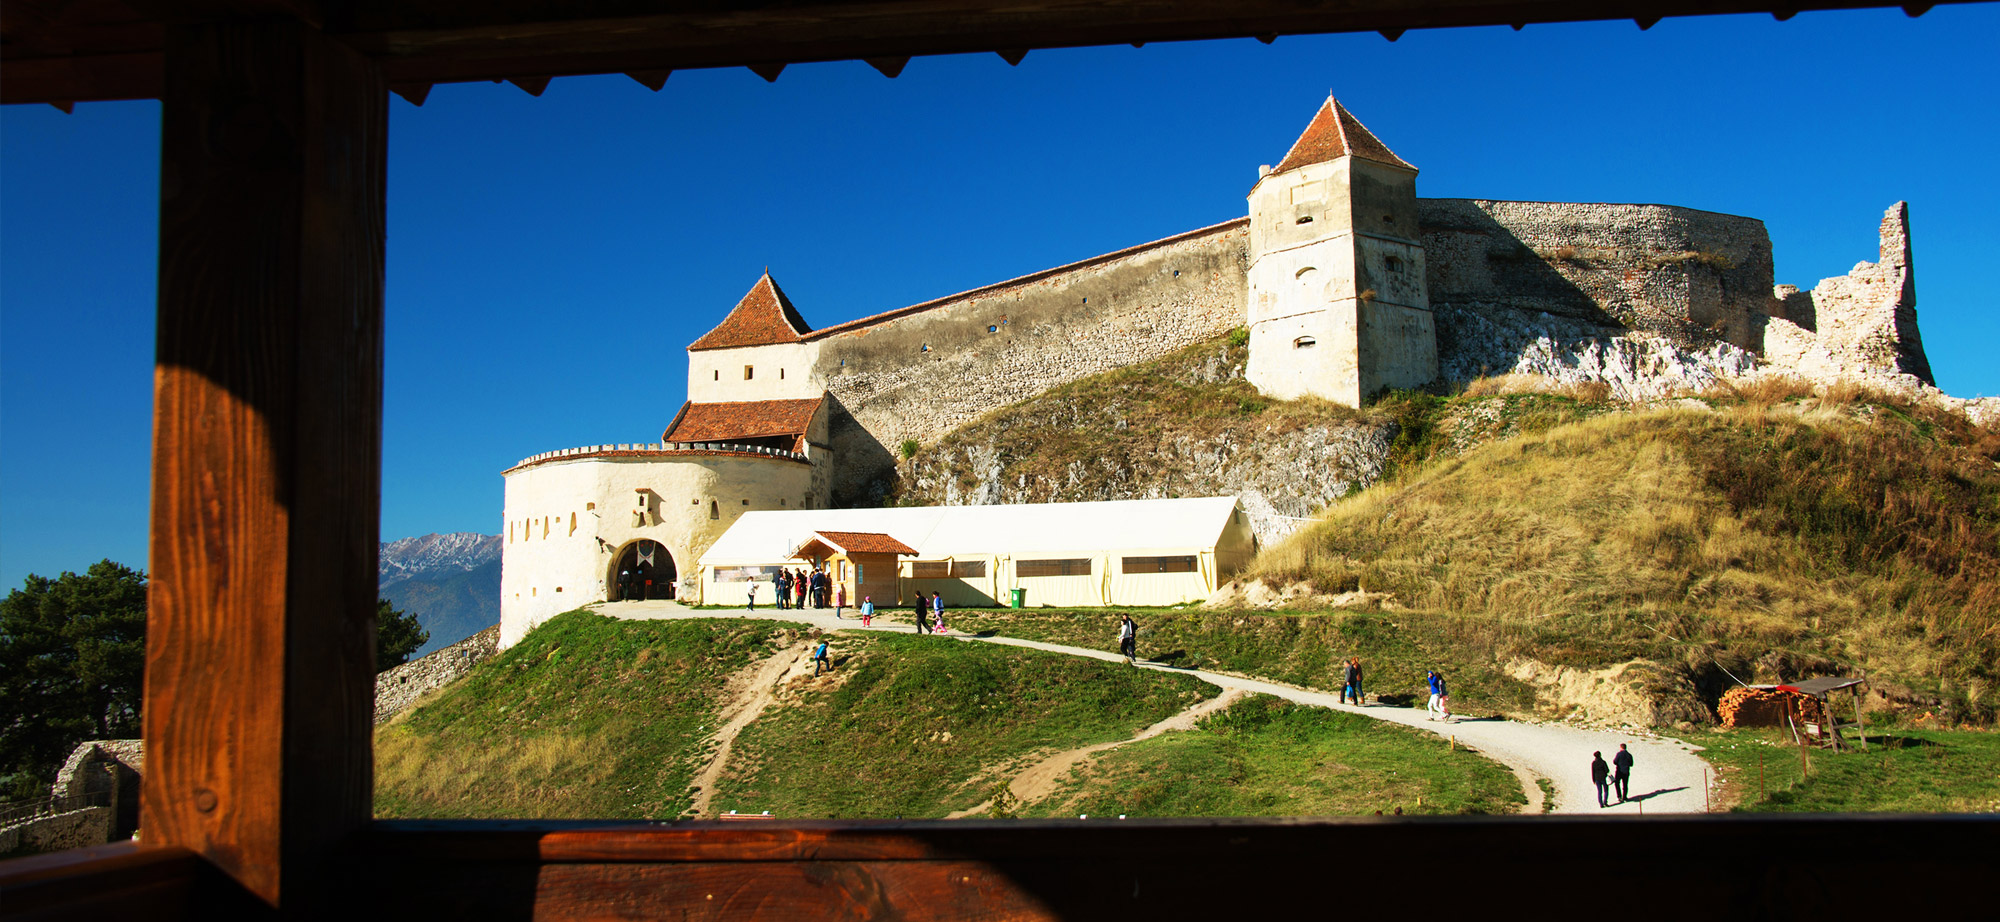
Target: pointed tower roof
(1336, 133)
(763, 317)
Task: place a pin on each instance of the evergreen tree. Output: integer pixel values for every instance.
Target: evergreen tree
(73, 665)
(397, 635)
(72, 668)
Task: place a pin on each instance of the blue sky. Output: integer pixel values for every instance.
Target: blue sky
(550, 258)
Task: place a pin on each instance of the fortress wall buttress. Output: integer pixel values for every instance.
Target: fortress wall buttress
(920, 372)
(1696, 277)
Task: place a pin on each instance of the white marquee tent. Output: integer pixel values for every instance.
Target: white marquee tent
(1127, 552)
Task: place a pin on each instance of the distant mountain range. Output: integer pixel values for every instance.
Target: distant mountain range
(450, 582)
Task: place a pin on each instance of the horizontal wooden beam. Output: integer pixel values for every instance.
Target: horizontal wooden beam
(1662, 868)
(57, 51)
(118, 881)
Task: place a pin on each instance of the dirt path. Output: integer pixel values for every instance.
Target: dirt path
(1667, 776)
(1039, 780)
(751, 692)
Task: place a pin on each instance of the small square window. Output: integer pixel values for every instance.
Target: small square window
(748, 372)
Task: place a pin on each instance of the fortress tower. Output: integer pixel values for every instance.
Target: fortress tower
(1337, 305)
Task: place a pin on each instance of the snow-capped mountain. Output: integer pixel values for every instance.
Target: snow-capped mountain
(450, 582)
(433, 555)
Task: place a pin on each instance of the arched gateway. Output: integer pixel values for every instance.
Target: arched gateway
(644, 570)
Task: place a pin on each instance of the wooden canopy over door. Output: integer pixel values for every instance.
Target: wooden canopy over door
(267, 457)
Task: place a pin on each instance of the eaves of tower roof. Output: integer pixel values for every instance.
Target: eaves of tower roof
(1335, 133)
(764, 316)
(744, 419)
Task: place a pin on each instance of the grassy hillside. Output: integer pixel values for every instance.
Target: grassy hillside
(585, 717)
(919, 727)
(1771, 536)
(592, 717)
(1904, 770)
(1268, 757)
(1297, 648)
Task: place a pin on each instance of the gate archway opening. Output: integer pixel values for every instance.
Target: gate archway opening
(644, 569)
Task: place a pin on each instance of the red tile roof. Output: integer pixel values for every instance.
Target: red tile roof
(763, 317)
(864, 542)
(1335, 133)
(720, 422)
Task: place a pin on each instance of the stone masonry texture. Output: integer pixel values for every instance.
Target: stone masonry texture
(398, 688)
(925, 372)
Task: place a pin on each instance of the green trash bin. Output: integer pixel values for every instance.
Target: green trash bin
(1017, 598)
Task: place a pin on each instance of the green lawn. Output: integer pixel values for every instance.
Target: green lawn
(1903, 770)
(586, 717)
(918, 723)
(1268, 757)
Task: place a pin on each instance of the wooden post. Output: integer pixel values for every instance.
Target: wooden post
(1858, 723)
(266, 455)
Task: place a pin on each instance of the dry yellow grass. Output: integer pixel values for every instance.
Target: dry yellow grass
(1855, 530)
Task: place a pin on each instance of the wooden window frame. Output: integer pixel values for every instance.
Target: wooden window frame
(257, 800)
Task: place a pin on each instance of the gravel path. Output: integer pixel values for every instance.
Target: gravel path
(1667, 776)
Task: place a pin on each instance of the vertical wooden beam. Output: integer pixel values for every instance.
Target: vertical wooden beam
(266, 454)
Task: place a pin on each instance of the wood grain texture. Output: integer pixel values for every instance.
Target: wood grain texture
(103, 881)
(266, 452)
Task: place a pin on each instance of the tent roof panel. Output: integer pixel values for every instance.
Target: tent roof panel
(1020, 530)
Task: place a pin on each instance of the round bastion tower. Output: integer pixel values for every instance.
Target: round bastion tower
(607, 523)
(1337, 304)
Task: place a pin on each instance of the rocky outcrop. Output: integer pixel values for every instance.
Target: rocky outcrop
(1481, 339)
(1214, 438)
(1638, 693)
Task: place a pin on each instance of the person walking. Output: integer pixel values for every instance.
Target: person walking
(1444, 696)
(937, 612)
(923, 612)
(839, 599)
(867, 610)
(1598, 773)
(781, 585)
(1128, 640)
(1621, 772)
(820, 661)
(1350, 681)
(1436, 683)
(799, 589)
(753, 597)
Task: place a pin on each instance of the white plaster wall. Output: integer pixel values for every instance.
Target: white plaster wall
(1278, 289)
(782, 371)
(1317, 190)
(1398, 348)
(549, 566)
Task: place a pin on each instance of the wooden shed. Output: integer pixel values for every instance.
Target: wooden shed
(864, 562)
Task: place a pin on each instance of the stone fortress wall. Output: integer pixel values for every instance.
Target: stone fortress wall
(919, 372)
(1650, 299)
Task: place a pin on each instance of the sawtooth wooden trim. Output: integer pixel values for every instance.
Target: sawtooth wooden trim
(97, 51)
